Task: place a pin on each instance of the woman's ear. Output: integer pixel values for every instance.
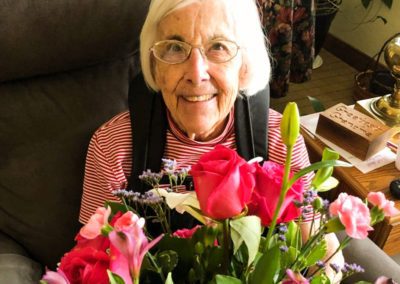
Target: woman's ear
(243, 76)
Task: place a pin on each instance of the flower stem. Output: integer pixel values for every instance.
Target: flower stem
(282, 196)
(225, 246)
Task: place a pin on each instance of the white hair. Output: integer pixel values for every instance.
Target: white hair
(249, 36)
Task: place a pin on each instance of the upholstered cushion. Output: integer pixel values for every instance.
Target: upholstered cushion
(45, 127)
(42, 37)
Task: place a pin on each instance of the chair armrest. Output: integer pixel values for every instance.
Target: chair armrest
(15, 264)
(8, 245)
(370, 257)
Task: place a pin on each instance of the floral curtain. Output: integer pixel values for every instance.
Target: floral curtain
(289, 26)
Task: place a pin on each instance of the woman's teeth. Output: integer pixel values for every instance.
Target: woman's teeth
(198, 98)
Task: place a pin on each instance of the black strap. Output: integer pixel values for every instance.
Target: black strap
(149, 127)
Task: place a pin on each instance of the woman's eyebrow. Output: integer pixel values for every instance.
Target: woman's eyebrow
(175, 37)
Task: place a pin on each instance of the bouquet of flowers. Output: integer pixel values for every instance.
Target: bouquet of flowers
(249, 224)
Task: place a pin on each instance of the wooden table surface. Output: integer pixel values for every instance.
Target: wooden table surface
(352, 181)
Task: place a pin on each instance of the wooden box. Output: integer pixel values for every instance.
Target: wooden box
(353, 131)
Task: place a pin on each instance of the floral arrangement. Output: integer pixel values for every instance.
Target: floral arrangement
(249, 224)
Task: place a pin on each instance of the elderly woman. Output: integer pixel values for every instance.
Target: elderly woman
(200, 57)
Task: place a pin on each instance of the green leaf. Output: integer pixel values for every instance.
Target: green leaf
(293, 237)
(169, 279)
(317, 253)
(168, 260)
(248, 230)
(320, 279)
(267, 268)
(316, 166)
(328, 184)
(225, 279)
(114, 278)
(324, 173)
(334, 225)
(316, 104)
(117, 206)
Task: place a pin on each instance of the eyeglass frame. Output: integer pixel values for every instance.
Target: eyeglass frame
(200, 47)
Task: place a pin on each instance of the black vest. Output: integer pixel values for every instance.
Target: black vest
(149, 126)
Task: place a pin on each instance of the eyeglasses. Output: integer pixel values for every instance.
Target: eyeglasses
(175, 51)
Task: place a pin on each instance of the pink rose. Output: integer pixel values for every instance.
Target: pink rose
(186, 233)
(223, 182)
(266, 195)
(378, 199)
(93, 228)
(353, 214)
(85, 265)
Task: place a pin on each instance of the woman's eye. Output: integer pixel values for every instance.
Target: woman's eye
(218, 46)
(174, 47)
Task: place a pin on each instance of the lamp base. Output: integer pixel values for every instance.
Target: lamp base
(383, 108)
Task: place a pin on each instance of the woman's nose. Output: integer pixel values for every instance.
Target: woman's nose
(197, 67)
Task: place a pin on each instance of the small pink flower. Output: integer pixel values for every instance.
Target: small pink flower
(186, 233)
(52, 277)
(294, 278)
(378, 199)
(129, 245)
(353, 214)
(93, 228)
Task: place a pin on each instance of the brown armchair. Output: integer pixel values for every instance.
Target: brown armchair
(64, 70)
(65, 67)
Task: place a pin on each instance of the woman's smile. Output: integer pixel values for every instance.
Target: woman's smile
(198, 98)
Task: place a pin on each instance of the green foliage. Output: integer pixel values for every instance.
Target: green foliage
(316, 104)
(224, 279)
(114, 278)
(248, 230)
(326, 172)
(268, 267)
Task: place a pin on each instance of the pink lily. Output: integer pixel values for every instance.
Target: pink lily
(294, 278)
(96, 222)
(130, 245)
(52, 277)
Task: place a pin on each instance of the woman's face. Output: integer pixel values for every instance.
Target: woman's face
(199, 94)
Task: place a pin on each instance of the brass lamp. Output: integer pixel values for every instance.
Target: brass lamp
(387, 107)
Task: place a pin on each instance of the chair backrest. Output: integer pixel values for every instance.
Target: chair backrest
(64, 70)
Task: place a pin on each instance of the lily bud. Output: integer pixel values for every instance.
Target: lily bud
(290, 124)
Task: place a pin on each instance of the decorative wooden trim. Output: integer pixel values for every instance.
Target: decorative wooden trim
(348, 53)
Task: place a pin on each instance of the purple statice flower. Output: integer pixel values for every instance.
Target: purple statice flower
(169, 166)
(282, 228)
(309, 196)
(335, 267)
(153, 179)
(284, 248)
(282, 238)
(127, 194)
(351, 268)
(325, 203)
(150, 198)
(320, 264)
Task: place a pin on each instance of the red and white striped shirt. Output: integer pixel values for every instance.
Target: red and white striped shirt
(109, 158)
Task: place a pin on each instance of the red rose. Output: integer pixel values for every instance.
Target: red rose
(266, 195)
(223, 182)
(85, 265)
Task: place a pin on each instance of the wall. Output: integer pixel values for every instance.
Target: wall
(351, 25)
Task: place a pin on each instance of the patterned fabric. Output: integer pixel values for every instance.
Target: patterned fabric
(109, 158)
(289, 26)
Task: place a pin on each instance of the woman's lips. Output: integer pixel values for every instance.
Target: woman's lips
(200, 98)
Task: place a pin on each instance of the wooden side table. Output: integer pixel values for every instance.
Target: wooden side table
(387, 233)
